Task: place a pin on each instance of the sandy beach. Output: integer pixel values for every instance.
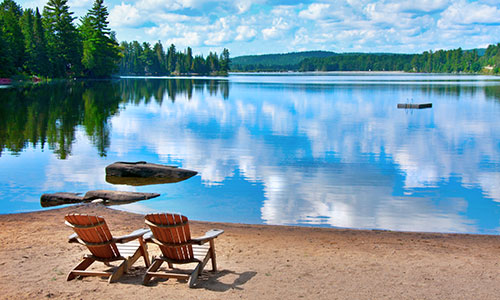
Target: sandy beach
(257, 262)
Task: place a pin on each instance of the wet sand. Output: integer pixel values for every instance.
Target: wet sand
(257, 262)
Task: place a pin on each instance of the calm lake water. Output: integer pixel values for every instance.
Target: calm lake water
(310, 149)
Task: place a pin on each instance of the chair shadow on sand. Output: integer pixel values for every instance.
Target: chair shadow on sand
(211, 281)
(207, 280)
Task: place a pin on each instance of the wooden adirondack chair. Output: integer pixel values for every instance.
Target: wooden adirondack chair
(171, 233)
(93, 232)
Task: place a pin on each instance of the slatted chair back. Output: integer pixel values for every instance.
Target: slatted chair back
(172, 231)
(94, 232)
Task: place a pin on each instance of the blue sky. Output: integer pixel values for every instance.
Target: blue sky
(278, 26)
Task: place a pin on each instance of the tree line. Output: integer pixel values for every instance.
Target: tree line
(442, 61)
(49, 44)
(143, 60)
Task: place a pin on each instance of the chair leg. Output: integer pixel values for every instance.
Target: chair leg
(194, 276)
(83, 265)
(122, 268)
(212, 254)
(154, 266)
(144, 252)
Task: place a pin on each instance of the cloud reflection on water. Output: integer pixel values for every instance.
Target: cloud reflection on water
(341, 155)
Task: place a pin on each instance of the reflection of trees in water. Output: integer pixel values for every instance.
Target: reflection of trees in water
(493, 91)
(49, 114)
(141, 90)
(490, 91)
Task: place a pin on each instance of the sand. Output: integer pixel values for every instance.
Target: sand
(257, 262)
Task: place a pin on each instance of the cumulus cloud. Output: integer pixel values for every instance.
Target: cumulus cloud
(315, 11)
(124, 15)
(220, 32)
(463, 13)
(347, 25)
(278, 28)
(245, 33)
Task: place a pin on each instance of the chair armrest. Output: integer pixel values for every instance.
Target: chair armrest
(209, 235)
(73, 239)
(148, 237)
(132, 236)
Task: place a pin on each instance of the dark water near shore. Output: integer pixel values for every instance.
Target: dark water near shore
(313, 150)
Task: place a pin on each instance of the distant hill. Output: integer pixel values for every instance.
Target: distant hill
(275, 62)
(447, 61)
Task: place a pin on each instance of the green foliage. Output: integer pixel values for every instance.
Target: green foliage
(442, 61)
(63, 40)
(52, 46)
(12, 35)
(274, 62)
(141, 60)
(101, 52)
(39, 59)
(7, 68)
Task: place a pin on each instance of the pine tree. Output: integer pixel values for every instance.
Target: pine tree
(11, 13)
(27, 26)
(7, 66)
(136, 61)
(158, 67)
(101, 52)
(40, 60)
(171, 59)
(224, 60)
(63, 41)
(147, 58)
(189, 60)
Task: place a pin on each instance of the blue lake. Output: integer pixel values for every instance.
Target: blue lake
(294, 149)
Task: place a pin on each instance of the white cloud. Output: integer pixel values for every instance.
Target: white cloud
(220, 32)
(463, 13)
(278, 28)
(315, 11)
(337, 25)
(124, 15)
(80, 3)
(245, 33)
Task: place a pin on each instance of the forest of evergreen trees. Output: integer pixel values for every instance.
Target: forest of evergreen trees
(143, 60)
(50, 45)
(442, 61)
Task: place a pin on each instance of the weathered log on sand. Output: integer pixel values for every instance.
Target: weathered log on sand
(130, 172)
(107, 197)
(48, 200)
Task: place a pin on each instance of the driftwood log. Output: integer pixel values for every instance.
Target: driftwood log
(48, 200)
(144, 173)
(107, 197)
